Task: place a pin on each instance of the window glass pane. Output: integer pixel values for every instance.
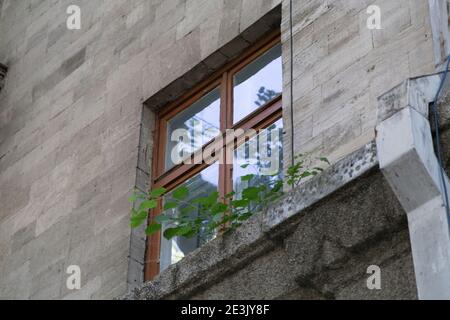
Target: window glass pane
(264, 156)
(257, 83)
(177, 248)
(191, 129)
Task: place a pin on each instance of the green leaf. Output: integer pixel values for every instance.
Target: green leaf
(306, 174)
(191, 234)
(219, 208)
(229, 218)
(177, 232)
(162, 218)
(170, 205)
(277, 186)
(152, 229)
(157, 192)
(208, 201)
(186, 211)
(293, 170)
(198, 222)
(201, 200)
(251, 193)
(138, 218)
(170, 233)
(181, 193)
(213, 197)
(242, 203)
(184, 230)
(230, 195)
(245, 166)
(245, 216)
(148, 204)
(325, 160)
(247, 177)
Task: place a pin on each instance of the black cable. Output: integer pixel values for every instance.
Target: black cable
(292, 82)
(434, 108)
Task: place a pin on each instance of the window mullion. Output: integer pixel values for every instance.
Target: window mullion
(224, 125)
(229, 166)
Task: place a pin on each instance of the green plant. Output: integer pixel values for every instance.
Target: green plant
(204, 216)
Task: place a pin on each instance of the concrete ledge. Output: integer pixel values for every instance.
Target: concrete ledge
(335, 177)
(415, 93)
(318, 226)
(408, 161)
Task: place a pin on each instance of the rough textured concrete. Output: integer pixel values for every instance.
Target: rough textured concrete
(408, 161)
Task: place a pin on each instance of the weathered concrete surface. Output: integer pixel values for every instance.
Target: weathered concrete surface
(440, 29)
(408, 160)
(309, 245)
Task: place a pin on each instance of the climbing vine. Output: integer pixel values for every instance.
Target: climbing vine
(204, 216)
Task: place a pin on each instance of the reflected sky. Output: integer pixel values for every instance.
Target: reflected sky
(265, 72)
(202, 122)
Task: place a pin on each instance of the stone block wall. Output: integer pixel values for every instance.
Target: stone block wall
(341, 67)
(71, 112)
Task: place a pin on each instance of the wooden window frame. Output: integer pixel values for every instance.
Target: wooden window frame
(259, 119)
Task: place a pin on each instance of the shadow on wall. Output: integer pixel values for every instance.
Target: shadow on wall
(3, 70)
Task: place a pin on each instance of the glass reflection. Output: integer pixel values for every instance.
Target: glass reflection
(177, 248)
(201, 124)
(257, 83)
(264, 156)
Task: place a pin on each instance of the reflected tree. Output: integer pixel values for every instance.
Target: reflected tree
(265, 95)
(212, 212)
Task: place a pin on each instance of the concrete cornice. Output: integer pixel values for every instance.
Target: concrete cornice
(408, 161)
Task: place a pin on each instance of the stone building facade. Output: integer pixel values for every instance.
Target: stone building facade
(77, 116)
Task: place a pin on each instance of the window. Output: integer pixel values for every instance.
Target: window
(202, 184)
(245, 95)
